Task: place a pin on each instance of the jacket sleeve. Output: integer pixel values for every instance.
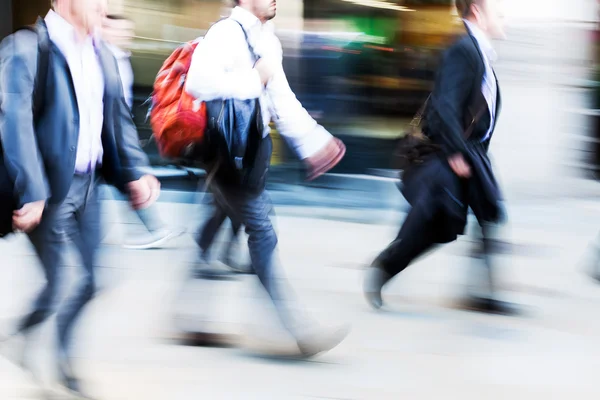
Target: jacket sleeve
(449, 99)
(292, 120)
(22, 158)
(134, 161)
(212, 74)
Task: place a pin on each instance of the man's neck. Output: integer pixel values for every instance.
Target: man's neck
(81, 32)
(262, 20)
(476, 24)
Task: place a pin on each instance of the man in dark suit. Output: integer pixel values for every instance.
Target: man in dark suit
(460, 119)
(81, 134)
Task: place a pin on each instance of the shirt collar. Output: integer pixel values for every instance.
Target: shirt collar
(249, 20)
(485, 45)
(244, 17)
(63, 33)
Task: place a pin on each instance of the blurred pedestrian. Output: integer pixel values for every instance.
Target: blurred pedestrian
(460, 117)
(118, 32)
(56, 152)
(241, 58)
(230, 253)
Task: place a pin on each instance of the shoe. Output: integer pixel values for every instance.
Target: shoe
(228, 262)
(155, 240)
(204, 270)
(374, 281)
(237, 268)
(325, 159)
(206, 339)
(12, 348)
(69, 388)
(320, 341)
(490, 306)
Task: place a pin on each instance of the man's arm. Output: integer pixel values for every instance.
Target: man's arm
(143, 188)
(209, 77)
(22, 158)
(293, 122)
(452, 89)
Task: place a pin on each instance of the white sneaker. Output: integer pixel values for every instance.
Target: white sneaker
(320, 341)
(155, 240)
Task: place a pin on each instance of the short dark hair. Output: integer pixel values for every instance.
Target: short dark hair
(465, 7)
(117, 17)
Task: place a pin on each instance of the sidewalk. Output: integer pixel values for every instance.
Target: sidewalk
(421, 347)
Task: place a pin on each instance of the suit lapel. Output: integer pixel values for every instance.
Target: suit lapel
(498, 102)
(498, 97)
(110, 73)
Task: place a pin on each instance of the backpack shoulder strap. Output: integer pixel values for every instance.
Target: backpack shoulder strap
(250, 47)
(43, 61)
(247, 41)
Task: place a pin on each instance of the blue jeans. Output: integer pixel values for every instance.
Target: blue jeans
(253, 211)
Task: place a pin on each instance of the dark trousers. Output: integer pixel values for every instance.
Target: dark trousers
(211, 228)
(417, 237)
(78, 219)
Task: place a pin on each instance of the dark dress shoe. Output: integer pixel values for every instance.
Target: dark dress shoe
(206, 339)
(490, 306)
(375, 279)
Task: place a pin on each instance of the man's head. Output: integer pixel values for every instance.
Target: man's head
(117, 30)
(265, 10)
(85, 15)
(487, 14)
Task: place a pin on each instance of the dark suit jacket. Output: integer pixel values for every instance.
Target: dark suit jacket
(39, 156)
(455, 101)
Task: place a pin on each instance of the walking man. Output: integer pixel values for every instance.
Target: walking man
(460, 118)
(57, 152)
(117, 31)
(241, 58)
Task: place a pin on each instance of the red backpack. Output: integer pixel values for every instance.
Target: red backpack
(178, 120)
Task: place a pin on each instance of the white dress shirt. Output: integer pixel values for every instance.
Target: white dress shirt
(489, 86)
(222, 67)
(88, 80)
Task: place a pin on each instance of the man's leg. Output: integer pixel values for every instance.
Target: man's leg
(253, 212)
(159, 232)
(86, 237)
(48, 240)
(414, 239)
(209, 231)
(49, 248)
(483, 280)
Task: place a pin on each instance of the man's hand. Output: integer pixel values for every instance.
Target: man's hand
(143, 192)
(325, 159)
(265, 70)
(29, 216)
(459, 166)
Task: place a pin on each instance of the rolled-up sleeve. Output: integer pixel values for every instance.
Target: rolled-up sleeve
(293, 122)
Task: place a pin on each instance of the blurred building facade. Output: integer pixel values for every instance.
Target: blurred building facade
(363, 67)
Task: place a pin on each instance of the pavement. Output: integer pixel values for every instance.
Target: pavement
(422, 346)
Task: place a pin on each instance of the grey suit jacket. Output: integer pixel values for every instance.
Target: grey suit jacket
(39, 156)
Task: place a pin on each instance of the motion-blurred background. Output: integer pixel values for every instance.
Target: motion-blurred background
(363, 67)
